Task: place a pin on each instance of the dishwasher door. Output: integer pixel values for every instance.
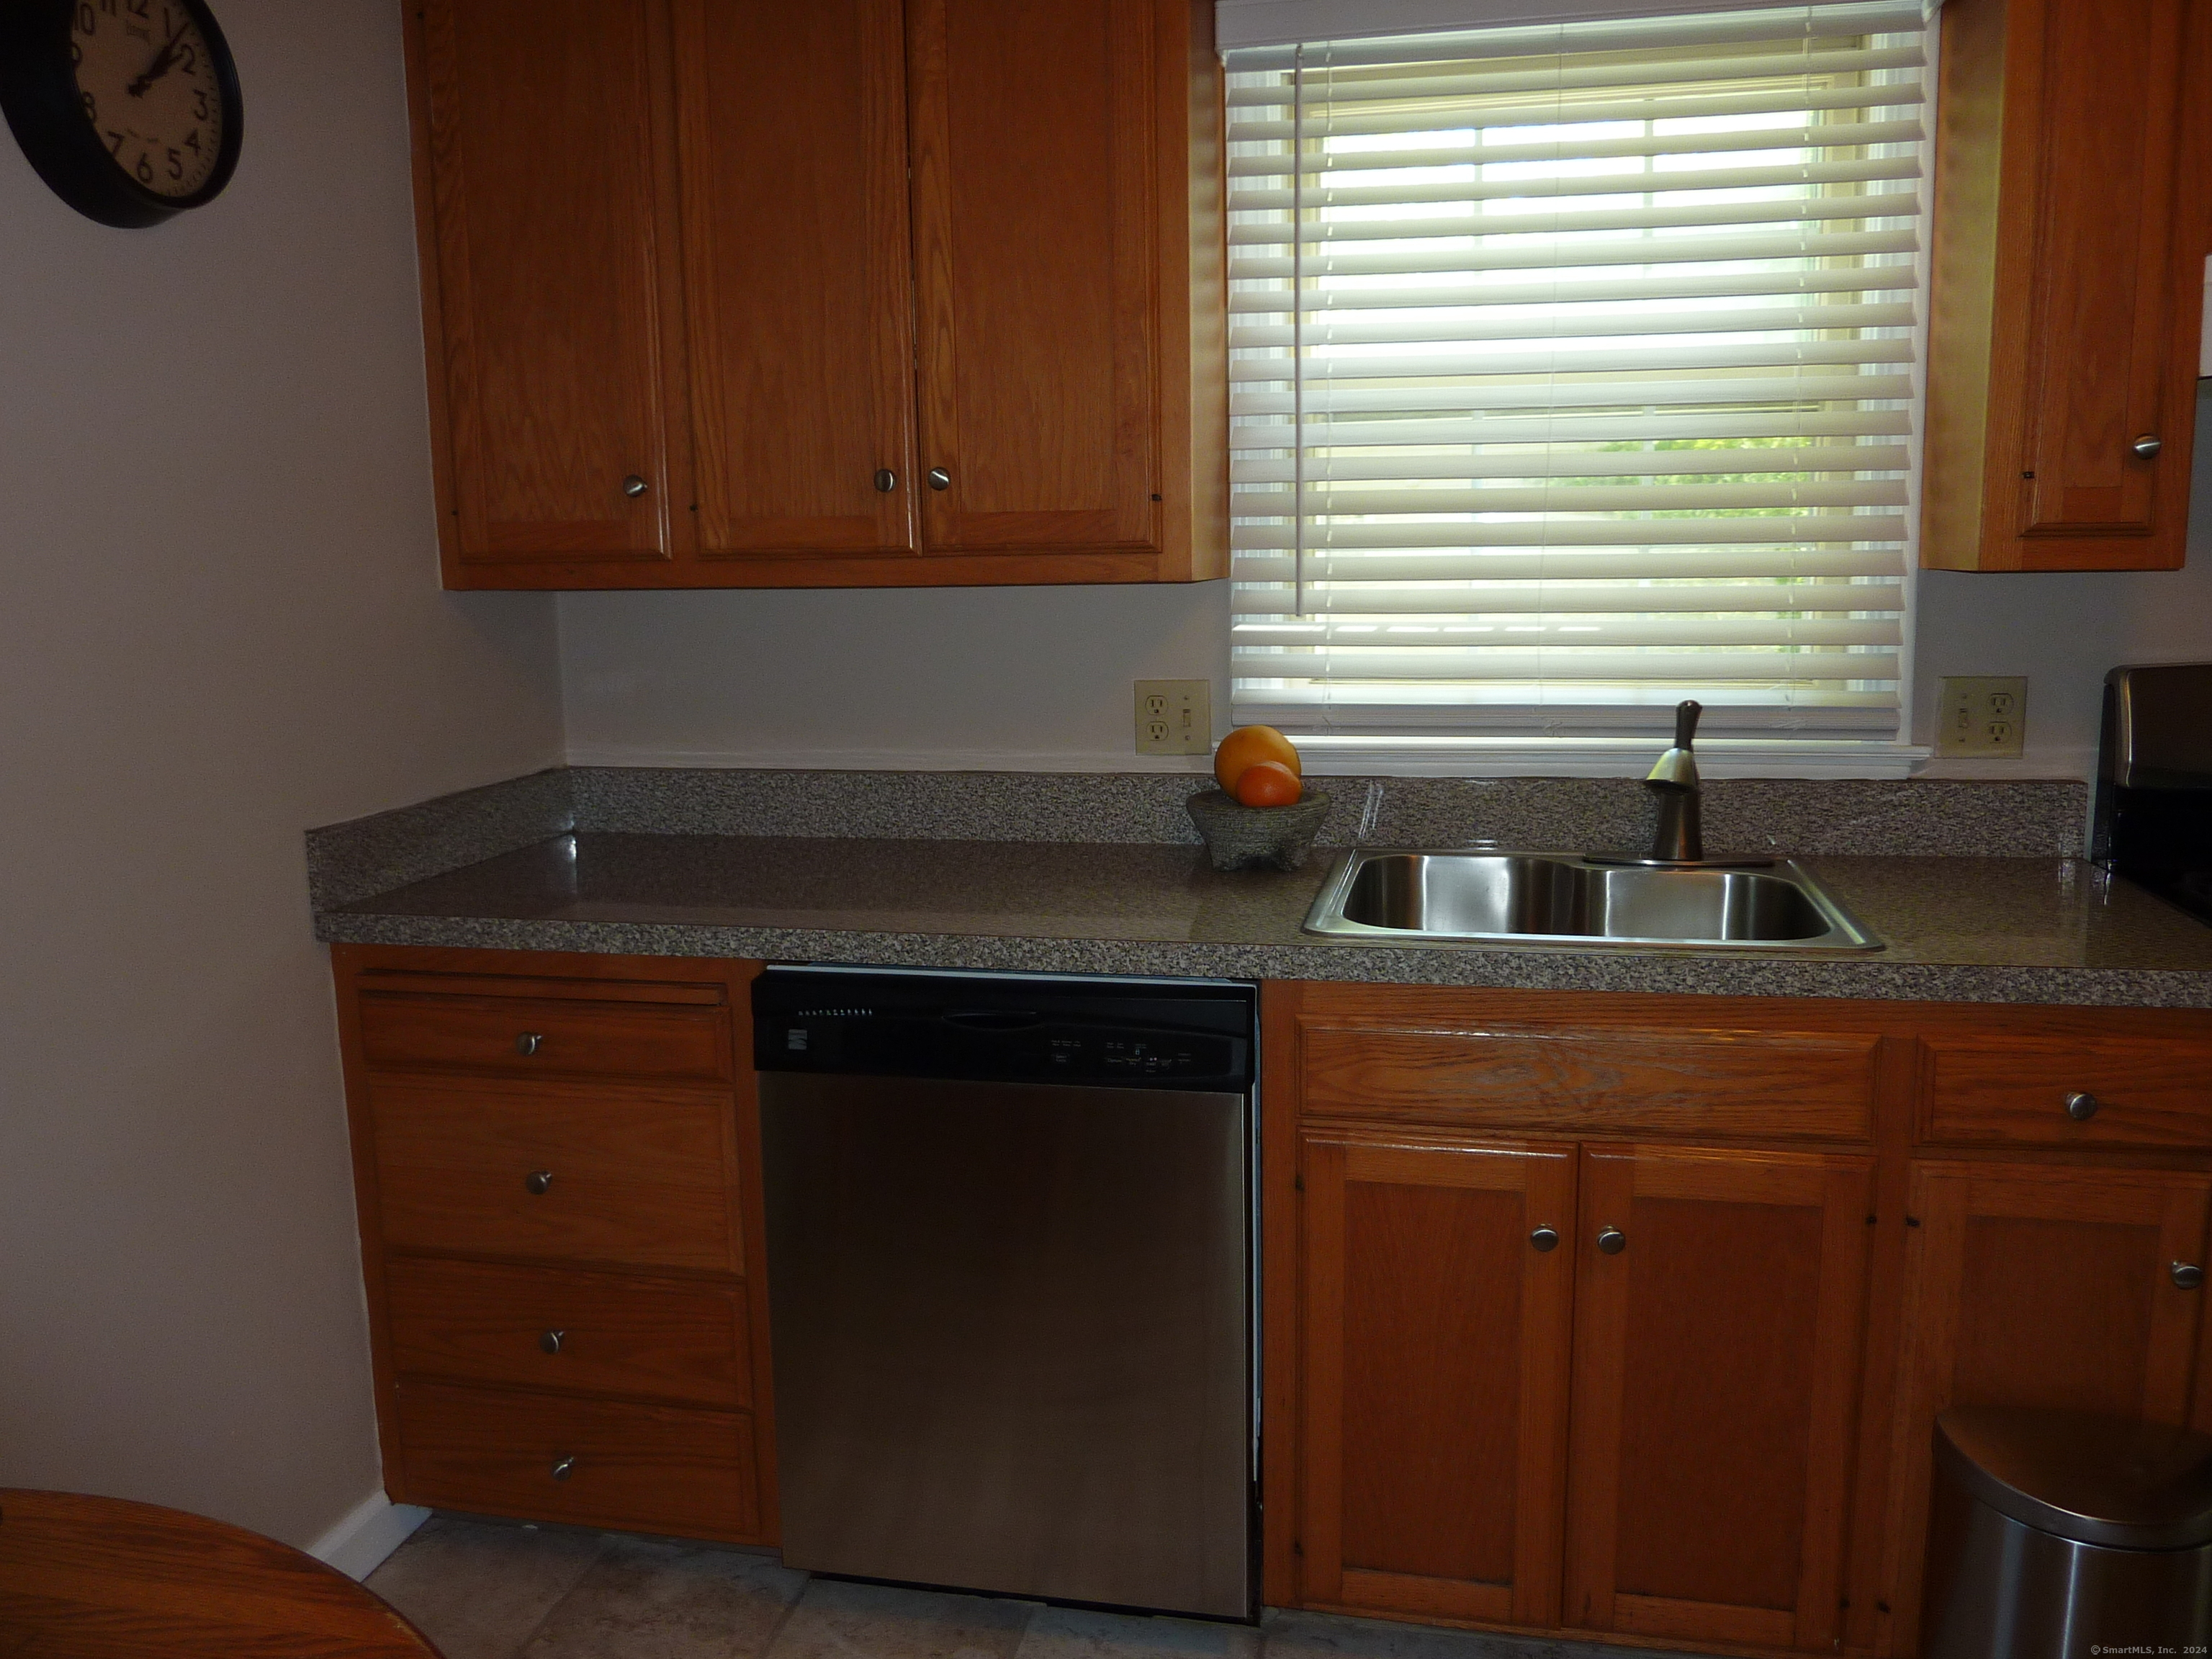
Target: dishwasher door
(1011, 1336)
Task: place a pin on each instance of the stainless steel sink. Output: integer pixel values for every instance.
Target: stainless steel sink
(1566, 898)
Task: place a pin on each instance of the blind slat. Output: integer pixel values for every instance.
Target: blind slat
(1369, 576)
(1545, 220)
(1557, 461)
(1566, 662)
(1828, 134)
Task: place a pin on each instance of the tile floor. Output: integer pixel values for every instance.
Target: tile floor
(483, 1590)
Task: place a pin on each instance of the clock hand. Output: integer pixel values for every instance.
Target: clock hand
(163, 59)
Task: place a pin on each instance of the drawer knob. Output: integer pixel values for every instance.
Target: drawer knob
(939, 479)
(551, 1342)
(2187, 1274)
(634, 486)
(2082, 1107)
(537, 1181)
(1612, 1241)
(2147, 446)
(1545, 1239)
(562, 1467)
(886, 480)
(528, 1042)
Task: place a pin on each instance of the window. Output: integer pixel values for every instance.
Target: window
(1573, 374)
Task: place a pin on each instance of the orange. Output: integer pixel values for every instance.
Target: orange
(1268, 783)
(1248, 744)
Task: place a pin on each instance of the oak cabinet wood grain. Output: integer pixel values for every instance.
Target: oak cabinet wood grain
(857, 280)
(1435, 1334)
(1719, 1319)
(1828, 1220)
(562, 1263)
(2072, 188)
(2042, 1286)
(542, 178)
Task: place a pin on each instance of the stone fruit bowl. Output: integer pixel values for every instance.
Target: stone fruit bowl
(1240, 838)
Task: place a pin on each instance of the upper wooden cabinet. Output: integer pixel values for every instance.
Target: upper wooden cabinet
(726, 293)
(2073, 182)
(546, 176)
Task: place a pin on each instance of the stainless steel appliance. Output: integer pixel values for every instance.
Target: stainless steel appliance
(2154, 815)
(2056, 1534)
(1010, 1270)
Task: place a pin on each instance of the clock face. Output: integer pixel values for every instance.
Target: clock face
(147, 81)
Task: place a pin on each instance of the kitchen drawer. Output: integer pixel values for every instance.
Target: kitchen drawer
(655, 1468)
(634, 1176)
(2007, 1090)
(1657, 1081)
(545, 1328)
(526, 1036)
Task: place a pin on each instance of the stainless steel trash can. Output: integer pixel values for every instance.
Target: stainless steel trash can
(2053, 1533)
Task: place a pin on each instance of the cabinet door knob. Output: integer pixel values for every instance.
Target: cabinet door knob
(1545, 1239)
(634, 486)
(562, 1467)
(2082, 1107)
(886, 480)
(2187, 1274)
(2147, 447)
(528, 1042)
(538, 1179)
(1612, 1241)
(551, 1342)
(939, 479)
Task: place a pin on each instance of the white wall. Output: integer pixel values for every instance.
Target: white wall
(1041, 676)
(221, 624)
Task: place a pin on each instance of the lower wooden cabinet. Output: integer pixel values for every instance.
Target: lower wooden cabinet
(1719, 1316)
(1438, 1284)
(2042, 1286)
(555, 1160)
(1681, 1388)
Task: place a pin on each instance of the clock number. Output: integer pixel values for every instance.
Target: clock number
(145, 169)
(87, 21)
(107, 6)
(192, 143)
(176, 164)
(188, 61)
(201, 109)
(91, 108)
(136, 8)
(114, 144)
(76, 54)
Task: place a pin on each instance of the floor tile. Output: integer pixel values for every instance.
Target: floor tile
(1074, 1633)
(836, 1620)
(1327, 1636)
(477, 1590)
(644, 1599)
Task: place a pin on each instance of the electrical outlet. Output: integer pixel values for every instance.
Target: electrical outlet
(1174, 717)
(1983, 718)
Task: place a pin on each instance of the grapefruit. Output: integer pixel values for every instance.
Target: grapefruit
(1248, 745)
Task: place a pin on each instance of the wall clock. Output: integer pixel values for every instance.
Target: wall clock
(128, 109)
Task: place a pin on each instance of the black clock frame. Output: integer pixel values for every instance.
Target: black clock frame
(39, 95)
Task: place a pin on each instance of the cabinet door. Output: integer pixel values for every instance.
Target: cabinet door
(1034, 130)
(2100, 352)
(1717, 1341)
(1435, 1337)
(792, 124)
(2043, 1286)
(547, 161)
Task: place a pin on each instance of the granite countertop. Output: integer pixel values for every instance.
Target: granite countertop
(1998, 929)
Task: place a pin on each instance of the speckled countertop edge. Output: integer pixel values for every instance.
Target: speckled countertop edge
(1661, 973)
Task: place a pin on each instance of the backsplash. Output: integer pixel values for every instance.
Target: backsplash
(1834, 817)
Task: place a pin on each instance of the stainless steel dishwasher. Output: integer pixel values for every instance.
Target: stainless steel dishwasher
(1010, 1276)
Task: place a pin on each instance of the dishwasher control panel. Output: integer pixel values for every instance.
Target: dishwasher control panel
(1130, 1033)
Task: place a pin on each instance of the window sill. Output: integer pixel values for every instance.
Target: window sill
(1336, 754)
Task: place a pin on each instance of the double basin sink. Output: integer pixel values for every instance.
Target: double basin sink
(1567, 898)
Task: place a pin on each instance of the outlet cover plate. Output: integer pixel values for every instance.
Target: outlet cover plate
(1174, 717)
(1984, 719)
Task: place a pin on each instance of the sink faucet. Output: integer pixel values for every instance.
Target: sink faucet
(1679, 838)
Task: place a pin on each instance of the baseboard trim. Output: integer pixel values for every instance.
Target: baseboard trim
(358, 1545)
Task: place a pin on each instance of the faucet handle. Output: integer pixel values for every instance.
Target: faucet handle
(1686, 722)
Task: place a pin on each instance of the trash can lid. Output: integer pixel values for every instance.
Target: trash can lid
(2095, 1480)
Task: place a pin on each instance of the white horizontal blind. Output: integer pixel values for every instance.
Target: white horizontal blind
(1572, 375)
